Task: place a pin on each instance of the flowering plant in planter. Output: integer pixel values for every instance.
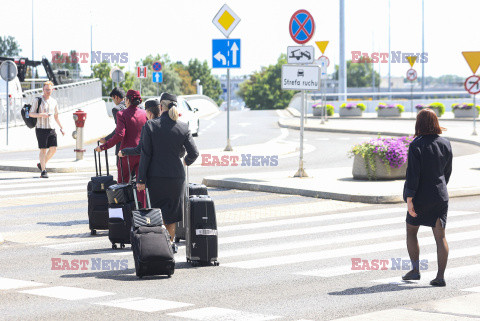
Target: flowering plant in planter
(465, 106)
(354, 105)
(438, 106)
(393, 152)
(330, 108)
(400, 108)
(420, 106)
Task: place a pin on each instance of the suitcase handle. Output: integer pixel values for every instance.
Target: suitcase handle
(136, 199)
(98, 166)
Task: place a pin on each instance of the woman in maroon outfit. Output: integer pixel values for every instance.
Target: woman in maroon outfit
(129, 126)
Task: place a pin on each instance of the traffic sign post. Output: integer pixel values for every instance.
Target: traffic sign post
(141, 74)
(8, 72)
(226, 20)
(300, 54)
(472, 85)
(157, 66)
(411, 76)
(303, 77)
(157, 77)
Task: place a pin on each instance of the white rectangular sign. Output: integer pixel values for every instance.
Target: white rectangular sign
(301, 77)
(300, 54)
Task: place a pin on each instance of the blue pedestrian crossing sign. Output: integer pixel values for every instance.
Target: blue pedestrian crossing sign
(157, 76)
(225, 53)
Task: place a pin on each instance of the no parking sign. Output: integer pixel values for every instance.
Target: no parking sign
(302, 26)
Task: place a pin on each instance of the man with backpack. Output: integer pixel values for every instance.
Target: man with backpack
(43, 108)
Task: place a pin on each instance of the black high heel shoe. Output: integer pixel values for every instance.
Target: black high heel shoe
(438, 282)
(411, 276)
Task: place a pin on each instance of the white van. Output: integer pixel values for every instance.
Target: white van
(15, 92)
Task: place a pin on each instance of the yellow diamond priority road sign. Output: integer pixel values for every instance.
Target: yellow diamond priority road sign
(226, 20)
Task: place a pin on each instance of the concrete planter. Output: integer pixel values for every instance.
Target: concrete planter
(360, 172)
(464, 113)
(353, 112)
(434, 109)
(388, 112)
(318, 111)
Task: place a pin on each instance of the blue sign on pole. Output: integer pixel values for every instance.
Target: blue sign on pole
(225, 53)
(157, 76)
(157, 66)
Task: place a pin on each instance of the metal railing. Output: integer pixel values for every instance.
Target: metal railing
(68, 96)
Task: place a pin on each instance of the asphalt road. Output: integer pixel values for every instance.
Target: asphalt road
(270, 265)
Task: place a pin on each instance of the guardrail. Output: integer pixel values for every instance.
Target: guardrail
(68, 96)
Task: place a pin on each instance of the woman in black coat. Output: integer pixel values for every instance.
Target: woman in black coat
(161, 167)
(425, 191)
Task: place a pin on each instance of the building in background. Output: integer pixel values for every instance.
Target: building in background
(236, 101)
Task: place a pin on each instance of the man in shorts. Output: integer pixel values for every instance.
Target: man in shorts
(46, 135)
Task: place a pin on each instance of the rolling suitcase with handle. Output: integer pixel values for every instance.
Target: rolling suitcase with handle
(97, 197)
(152, 250)
(201, 230)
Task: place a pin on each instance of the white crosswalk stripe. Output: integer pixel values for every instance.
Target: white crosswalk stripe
(213, 313)
(67, 293)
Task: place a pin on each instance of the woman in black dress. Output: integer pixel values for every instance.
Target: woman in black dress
(425, 191)
(161, 167)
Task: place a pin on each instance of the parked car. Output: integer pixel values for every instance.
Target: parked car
(187, 114)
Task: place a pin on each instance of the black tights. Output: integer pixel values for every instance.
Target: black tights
(442, 247)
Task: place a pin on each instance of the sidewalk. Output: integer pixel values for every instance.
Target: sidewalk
(463, 307)
(338, 183)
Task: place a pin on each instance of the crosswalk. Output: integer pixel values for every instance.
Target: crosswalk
(283, 235)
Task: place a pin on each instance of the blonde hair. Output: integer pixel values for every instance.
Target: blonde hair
(171, 106)
(48, 83)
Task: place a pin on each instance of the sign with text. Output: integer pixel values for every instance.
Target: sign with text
(296, 77)
(300, 54)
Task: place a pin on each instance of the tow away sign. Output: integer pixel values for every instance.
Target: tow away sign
(296, 77)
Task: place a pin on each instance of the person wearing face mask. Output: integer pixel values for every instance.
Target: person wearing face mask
(161, 167)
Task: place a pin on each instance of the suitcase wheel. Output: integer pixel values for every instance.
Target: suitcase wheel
(122, 245)
(93, 232)
(114, 246)
(216, 263)
(177, 239)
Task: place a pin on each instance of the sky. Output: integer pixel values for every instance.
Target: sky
(183, 29)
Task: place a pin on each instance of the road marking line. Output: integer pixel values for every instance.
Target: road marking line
(145, 305)
(450, 273)
(431, 257)
(33, 191)
(8, 284)
(321, 229)
(63, 246)
(311, 219)
(476, 289)
(322, 138)
(14, 182)
(335, 253)
(213, 313)
(43, 184)
(67, 293)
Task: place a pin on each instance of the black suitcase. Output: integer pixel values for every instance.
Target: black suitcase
(152, 250)
(120, 194)
(97, 197)
(193, 189)
(119, 227)
(201, 233)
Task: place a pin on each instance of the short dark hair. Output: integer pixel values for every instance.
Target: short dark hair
(119, 92)
(152, 105)
(427, 123)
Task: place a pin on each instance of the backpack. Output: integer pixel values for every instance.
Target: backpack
(29, 121)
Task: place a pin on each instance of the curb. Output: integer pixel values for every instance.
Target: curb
(303, 192)
(369, 132)
(369, 199)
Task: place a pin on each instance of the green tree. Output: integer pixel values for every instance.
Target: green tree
(171, 80)
(263, 89)
(187, 87)
(102, 71)
(211, 84)
(9, 47)
(359, 74)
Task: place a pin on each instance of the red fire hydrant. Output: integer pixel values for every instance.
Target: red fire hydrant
(79, 117)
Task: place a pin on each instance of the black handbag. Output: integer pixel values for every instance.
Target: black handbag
(146, 216)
